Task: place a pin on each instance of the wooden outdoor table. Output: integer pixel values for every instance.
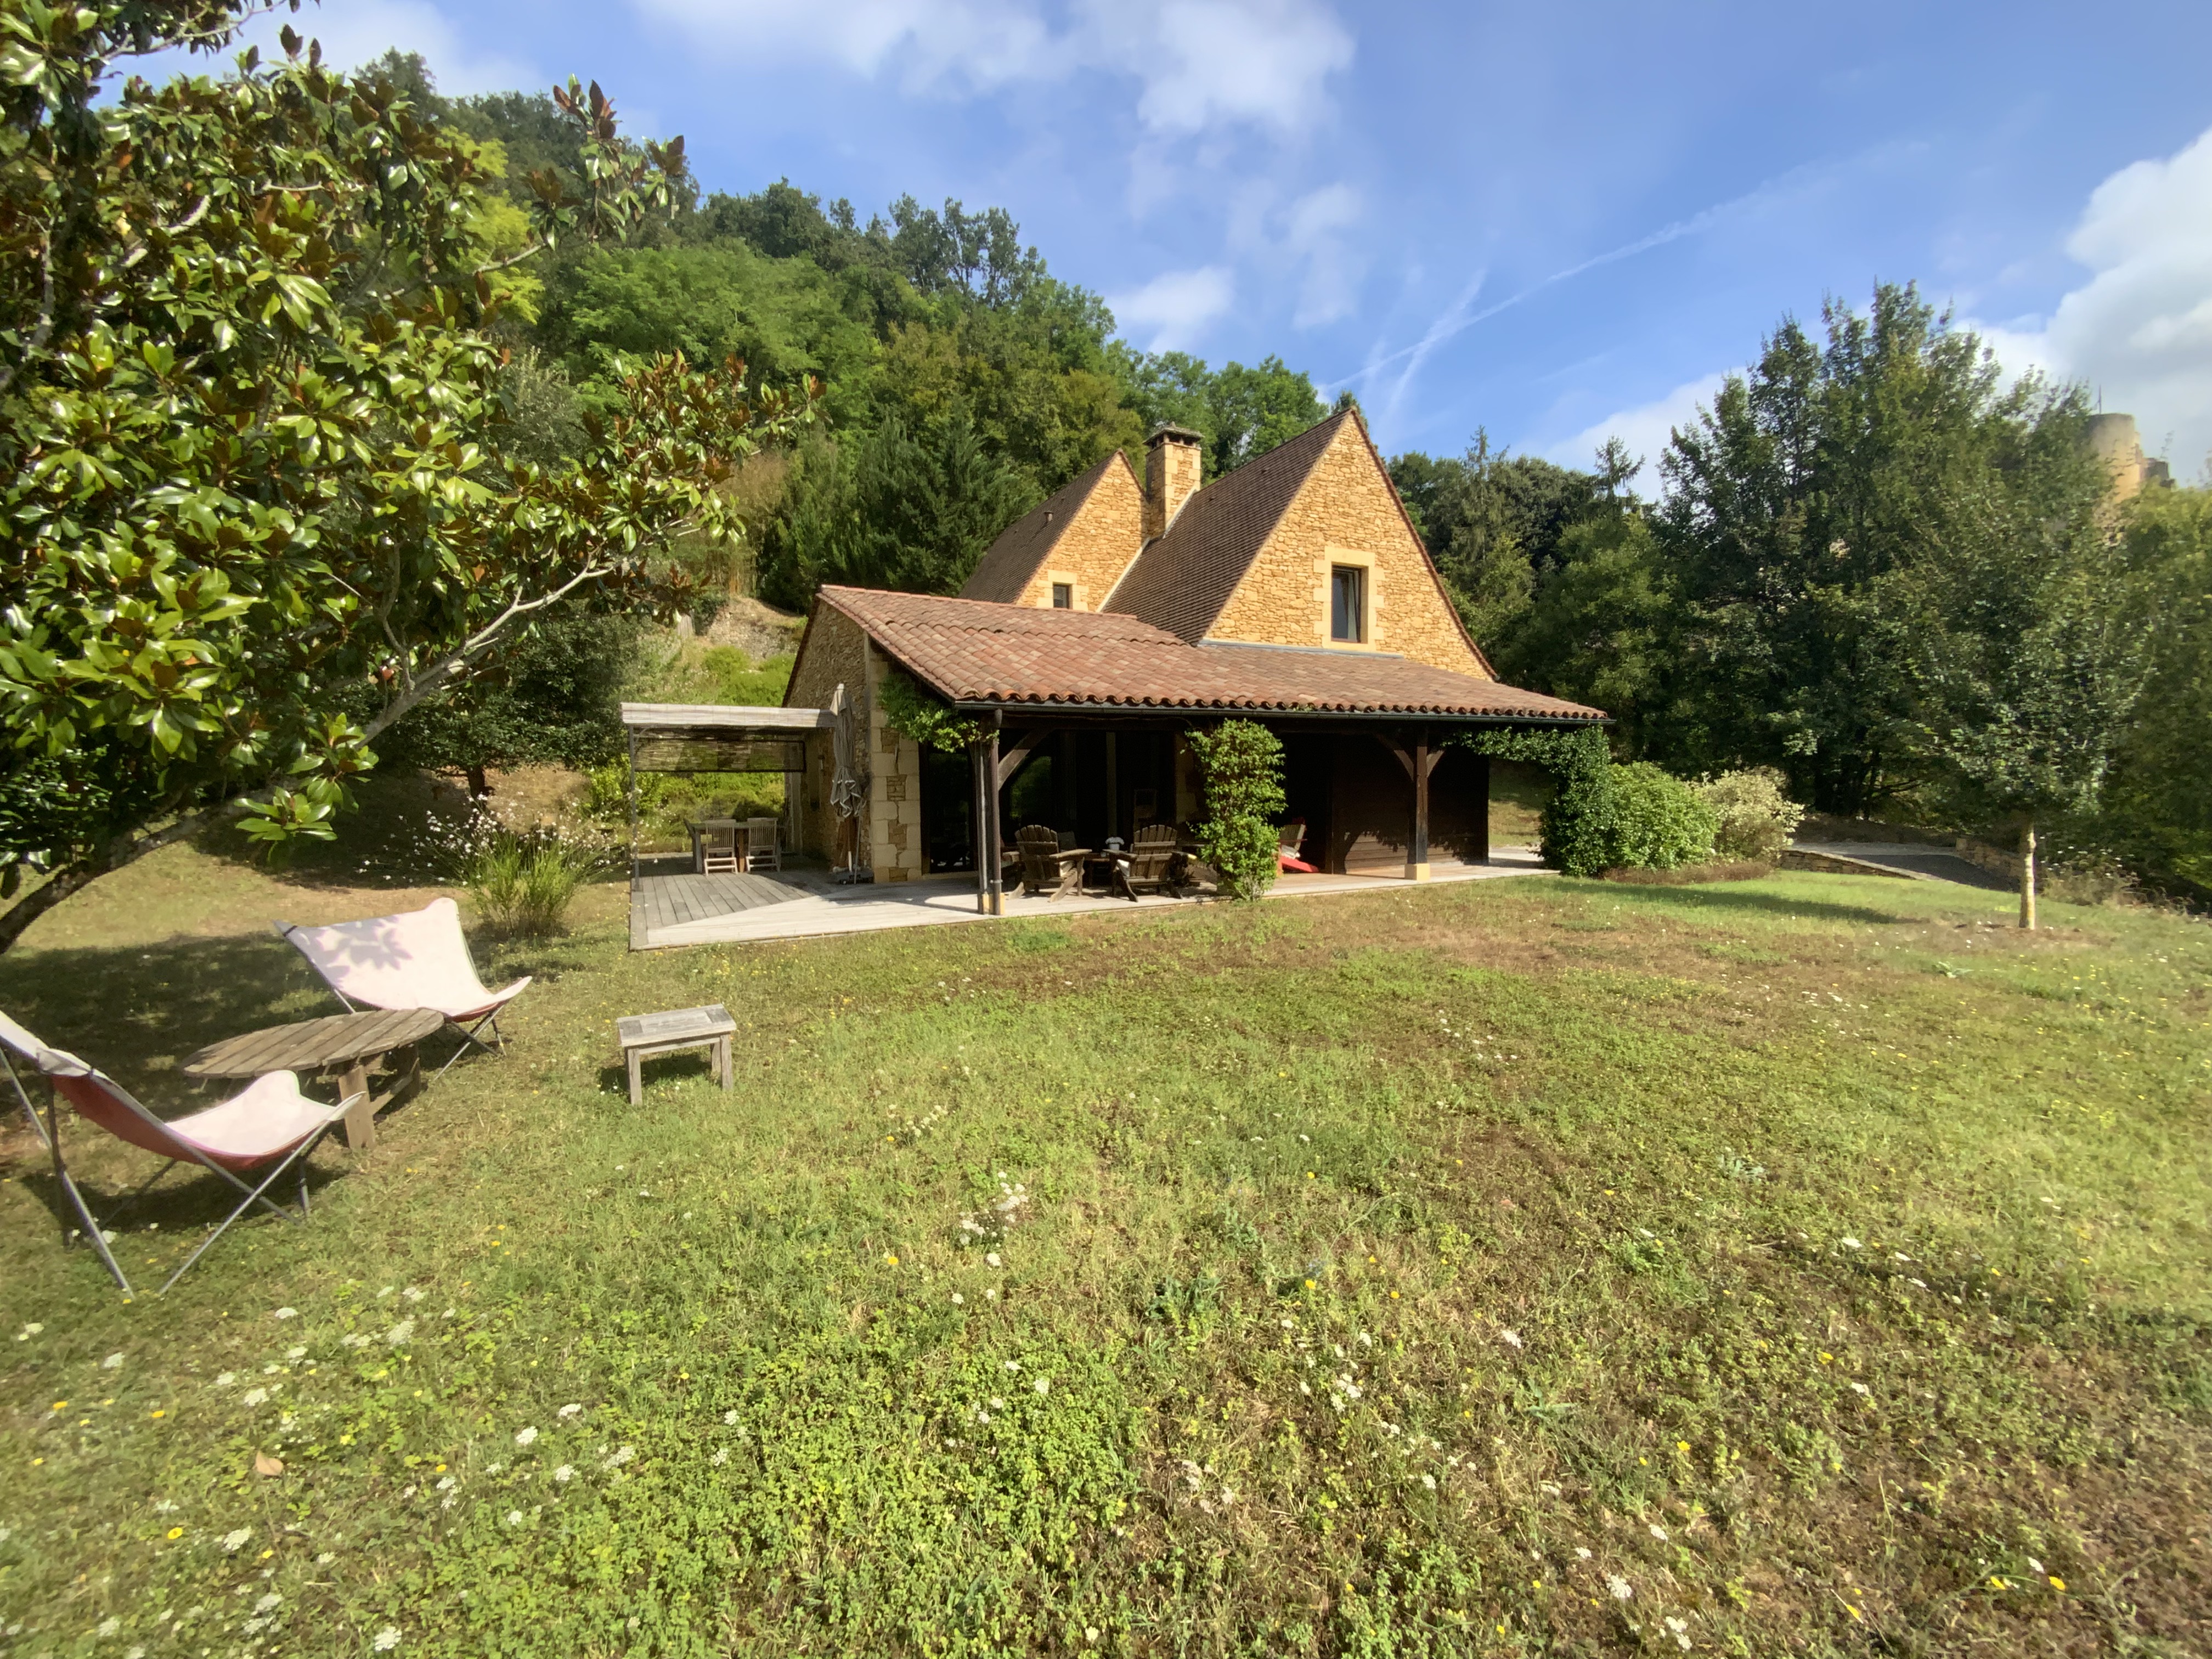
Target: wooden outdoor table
(347, 1042)
(646, 1034)
(701, 828)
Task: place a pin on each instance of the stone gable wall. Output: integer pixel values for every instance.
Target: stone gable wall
(1101, 541)
(894, 841)
(835, 653)
(1345, 513)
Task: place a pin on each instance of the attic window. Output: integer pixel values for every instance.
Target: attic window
(1063, 596)
(1347, 604)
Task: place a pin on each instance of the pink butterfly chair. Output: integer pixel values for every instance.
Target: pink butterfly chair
(417, 959)
(269, 1124)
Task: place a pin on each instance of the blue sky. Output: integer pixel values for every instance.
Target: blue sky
(1550, 220)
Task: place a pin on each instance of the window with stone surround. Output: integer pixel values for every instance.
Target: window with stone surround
(1063, 596)
(1347, 604)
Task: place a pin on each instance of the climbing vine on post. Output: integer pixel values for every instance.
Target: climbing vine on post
(1574, 821)
(913, 713)
(1243, 763)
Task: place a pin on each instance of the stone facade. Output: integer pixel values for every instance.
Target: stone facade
(895, 846)
(1346, 513)
(1100, 541)
(834, 653)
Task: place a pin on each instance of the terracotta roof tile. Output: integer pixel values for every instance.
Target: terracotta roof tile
(1182, 580)
(970, 651)
(1012, 561)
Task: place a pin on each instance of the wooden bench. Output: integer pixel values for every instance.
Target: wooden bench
(644, 1035)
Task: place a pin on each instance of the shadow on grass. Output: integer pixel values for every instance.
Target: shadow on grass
(1734, 899)
(400, 833)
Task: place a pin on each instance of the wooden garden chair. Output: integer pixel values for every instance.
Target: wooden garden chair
(1151, 854)
(763, 848)
(1048, 867)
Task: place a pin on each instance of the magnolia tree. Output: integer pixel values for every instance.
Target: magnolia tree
(252, 435)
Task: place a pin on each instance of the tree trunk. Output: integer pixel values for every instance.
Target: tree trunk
(2027, 875)
(479, 785)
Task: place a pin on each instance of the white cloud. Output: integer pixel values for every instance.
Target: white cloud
(2139, 331)
(1314, 233)
(358, 32)
(1645, 429)
(1176, 306)
(1202, 63)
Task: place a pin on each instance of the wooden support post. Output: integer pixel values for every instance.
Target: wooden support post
(998, 904)
(631, 779)
(978, 837)
(1480, 791)
(1417, 849)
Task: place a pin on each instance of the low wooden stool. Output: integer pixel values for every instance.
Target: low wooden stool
(646, 1034)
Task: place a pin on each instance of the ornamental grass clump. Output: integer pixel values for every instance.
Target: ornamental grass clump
(1243, 766)
(523, 882)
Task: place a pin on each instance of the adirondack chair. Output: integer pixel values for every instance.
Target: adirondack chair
(1151, 862)
(1047, 867)
(1289, 839)
(268, 1125)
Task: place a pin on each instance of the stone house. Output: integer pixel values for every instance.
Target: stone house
(1118, 615)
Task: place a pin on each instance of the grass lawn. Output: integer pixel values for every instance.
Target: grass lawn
(1812, 1265)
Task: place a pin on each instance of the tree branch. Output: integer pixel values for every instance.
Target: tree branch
(536, 248)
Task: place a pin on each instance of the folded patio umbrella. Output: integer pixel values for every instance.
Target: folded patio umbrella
(269, 1124)
(417, 959)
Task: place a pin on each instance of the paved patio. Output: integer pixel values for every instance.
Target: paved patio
(681, 908)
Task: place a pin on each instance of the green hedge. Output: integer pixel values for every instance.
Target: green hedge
(1601, 816)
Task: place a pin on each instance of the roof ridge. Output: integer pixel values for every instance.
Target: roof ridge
(1019, 550)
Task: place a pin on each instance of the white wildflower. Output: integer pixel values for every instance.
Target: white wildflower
(990, 1258)
(400, 1333)
(414, 1294)
(526, 1437)
(730, 1417)
(567, 1411)
(226, 1379)
(234, 1541)
(295, 1353)
(288, 1313)
(1364, 1340)
(1680, 1629)
(1429, 1482)
(958, 1300)
(1860, 1387)
(1580, 1554)
(266, 1602)
(1851, 1244)
(1618, 1587)
(447, 1484)
(565, 1473)
(997, 1404)
(254, 1396)
(623, 1455)
(28, 1332)
(1043, 1385)
(325, 1558)
(720, 1457)
(385, 1292)
(357, 1341)
(109, 1626)
(514, 1517)
(1659, 1533)
(386, 1640)
(113, 1363)
(1511, 1338)
(1013, 1364)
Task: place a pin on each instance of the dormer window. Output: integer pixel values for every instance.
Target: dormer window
(1063, 596)
(1347, 604)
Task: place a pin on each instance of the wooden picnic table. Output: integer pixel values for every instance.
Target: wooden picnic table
(350, 1043)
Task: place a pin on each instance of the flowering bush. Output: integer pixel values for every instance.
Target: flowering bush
(1756, 817)
(1244, 767)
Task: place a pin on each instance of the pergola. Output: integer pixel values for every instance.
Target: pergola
(688, 738)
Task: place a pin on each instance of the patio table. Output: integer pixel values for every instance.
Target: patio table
(351, 1043)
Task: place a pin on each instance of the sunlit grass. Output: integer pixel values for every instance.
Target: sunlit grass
(1791, 1266)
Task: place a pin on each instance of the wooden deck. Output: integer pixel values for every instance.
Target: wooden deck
(686, 909)
(660, 902)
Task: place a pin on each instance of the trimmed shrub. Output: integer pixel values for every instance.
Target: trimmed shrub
(1657, 822)
(1757, 818)
(1243, 766)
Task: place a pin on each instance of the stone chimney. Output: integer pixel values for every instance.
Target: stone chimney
(1171, 472)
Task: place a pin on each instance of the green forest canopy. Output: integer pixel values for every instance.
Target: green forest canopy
(1784, 599)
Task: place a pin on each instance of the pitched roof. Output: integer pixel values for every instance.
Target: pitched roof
(1010, 563)
(975, 652)
(1182, 580)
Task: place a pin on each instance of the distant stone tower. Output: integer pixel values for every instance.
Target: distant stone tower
(2114, 441)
